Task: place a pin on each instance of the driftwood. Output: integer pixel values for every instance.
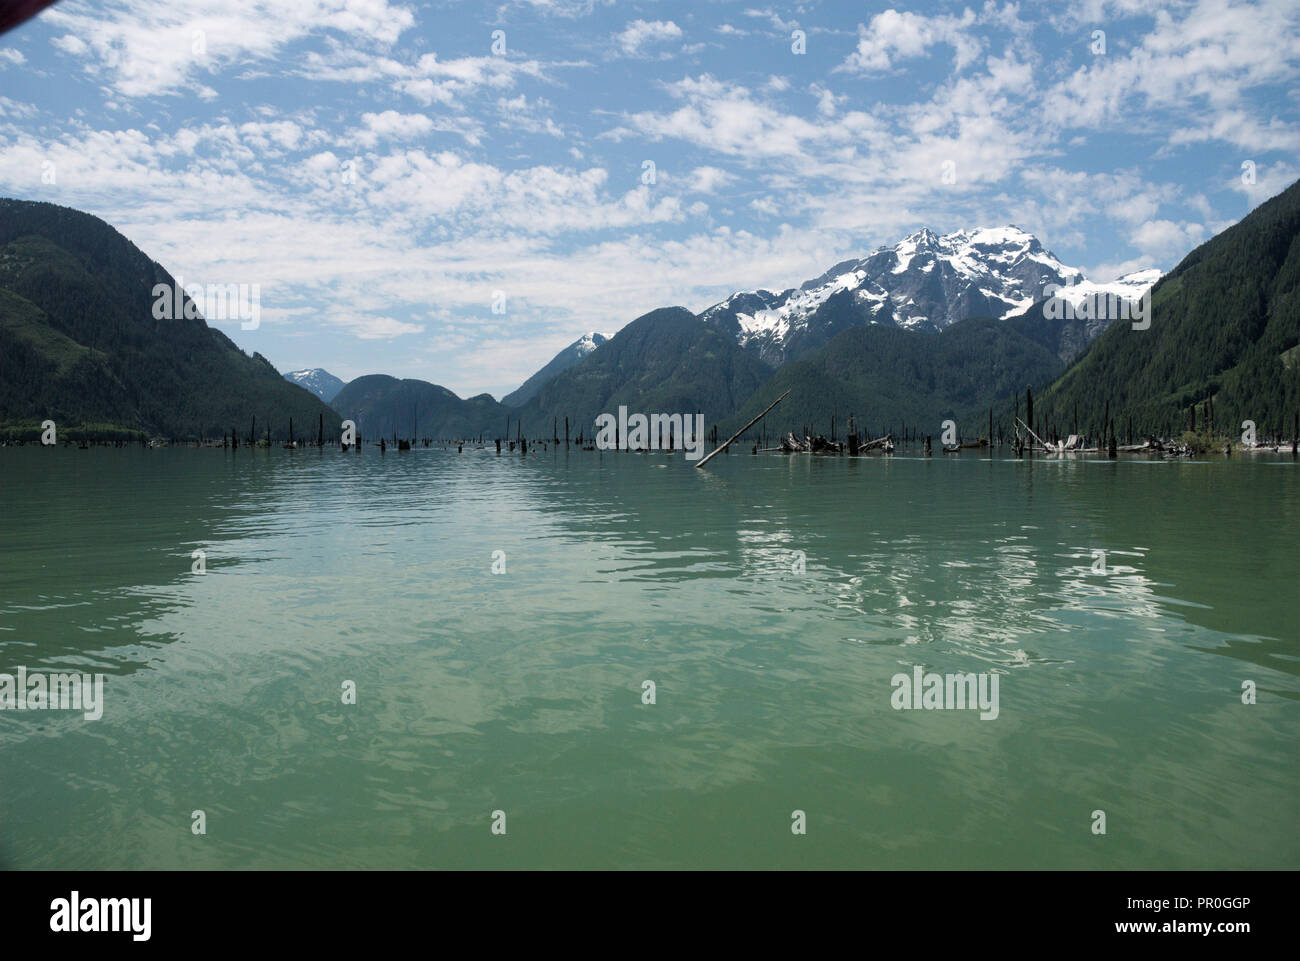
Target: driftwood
(810, 445)
(742, 430)
(1041, 443)
(820, 445)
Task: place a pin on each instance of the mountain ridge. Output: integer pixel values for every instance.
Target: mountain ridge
(317, 380)
(1224, 335)
(385, 406)
(925, 282)
(81, 342)
(666, 360)
(573, 354)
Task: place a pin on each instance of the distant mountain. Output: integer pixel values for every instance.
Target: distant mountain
(918, 289)
(1067, 335)
(924, 283)
(1225, 326)
(896, 338)
(561, 362)
(80, 343)
(382, 405)
(888, 378)
(667, 361)
(320, 382)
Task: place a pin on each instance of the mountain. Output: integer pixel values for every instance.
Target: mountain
(320, 382)
(667, 361)
(382, 405)
(888, 377)
(81, 343)
(918, 289)
(1224, 327)
(926, 282)
(561, 362)
(1069, 335)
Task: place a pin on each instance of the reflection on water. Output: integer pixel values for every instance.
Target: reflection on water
(522, 691)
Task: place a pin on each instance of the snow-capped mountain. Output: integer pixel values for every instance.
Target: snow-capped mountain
(1089, 321)
(925, 282)
(1130, 287)
(320, 382)
(587, 343)
(562, 361)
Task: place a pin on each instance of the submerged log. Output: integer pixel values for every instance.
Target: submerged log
(742, 430)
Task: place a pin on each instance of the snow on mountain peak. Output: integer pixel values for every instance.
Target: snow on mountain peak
(925, 281)
(1131, 286)
(317, 380)
(1146, 277)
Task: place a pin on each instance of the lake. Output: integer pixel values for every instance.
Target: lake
(771, 601)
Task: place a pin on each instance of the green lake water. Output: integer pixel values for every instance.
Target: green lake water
(522, 691)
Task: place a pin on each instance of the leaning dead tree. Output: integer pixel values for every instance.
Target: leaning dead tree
(742, 430)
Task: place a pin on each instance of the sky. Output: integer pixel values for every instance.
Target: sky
(456, 191)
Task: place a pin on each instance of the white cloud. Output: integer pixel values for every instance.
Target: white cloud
(728, 119)
(368, 327)
(892, 36)
(391, 125)
(706, 180)
(1162, 240)
(268, 139)
(640, 33)
(773, 18)
(149, 47)
(1270, 180)
(429, 79)
(16, 109)
(1207, 58)
(71, 44)
(1239, 128)
(521, 114)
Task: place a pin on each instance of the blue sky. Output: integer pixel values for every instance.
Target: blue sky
(382, 172)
